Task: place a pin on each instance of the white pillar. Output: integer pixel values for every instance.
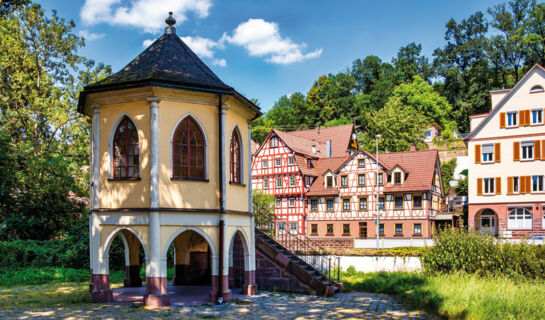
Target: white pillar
(156, 264)
(251, 248)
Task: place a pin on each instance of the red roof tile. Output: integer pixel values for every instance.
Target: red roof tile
(419, 166)
(322, 166)
(338, 135)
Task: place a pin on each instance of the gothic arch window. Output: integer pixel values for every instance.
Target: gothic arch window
(236, 157)
(189, 151)
(126, 151)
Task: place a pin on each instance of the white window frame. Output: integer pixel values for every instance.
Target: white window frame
(537, 183)
(278, 186)
(292, 182)
(381, 204)
(277, 162)
(525, 148)
(291, 161)
(274, 142)
(265, 184)
(540, 111)
(344, 202)
(293, 227)
(395, 203)
(278, 203)
(291, 202)
(515, 116)
(360, 204)
(516, 184)
(307, 181)
(519, 219)
(489, 185)
(312, 202)
(264, 164)
(487, 156)
(419, 228)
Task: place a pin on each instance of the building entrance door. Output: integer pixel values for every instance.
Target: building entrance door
(363, 230)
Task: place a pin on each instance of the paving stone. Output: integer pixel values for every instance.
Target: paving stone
(266, 305)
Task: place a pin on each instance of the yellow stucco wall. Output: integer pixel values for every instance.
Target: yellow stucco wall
(168, 231)
(124, 194)
(237, 195)
(188, 194)
(106, 232)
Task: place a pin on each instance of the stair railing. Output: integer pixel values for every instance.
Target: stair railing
(310, 252)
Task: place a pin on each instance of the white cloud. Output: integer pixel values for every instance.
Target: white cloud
(146, 43)
(148, 15)
(203, 47)
(219, 62)
(90, 36)
(262, 38)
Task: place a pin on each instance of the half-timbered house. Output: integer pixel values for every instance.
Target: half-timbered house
(342, 202)
(286, 164)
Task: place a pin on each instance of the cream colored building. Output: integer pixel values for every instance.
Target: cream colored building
(507, 161)
(170, 165)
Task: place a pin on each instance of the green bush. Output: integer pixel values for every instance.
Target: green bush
(470, 252)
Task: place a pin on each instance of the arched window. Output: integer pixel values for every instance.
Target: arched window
(236, 157)
(188, 151)
(126, 154)
(536, 88)
(520, 218)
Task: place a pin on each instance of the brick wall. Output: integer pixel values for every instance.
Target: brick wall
(334, 243)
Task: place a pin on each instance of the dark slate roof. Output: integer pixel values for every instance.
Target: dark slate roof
(167, 60)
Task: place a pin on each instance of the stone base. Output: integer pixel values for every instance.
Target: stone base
(102, 296)
(249, 289)
(227, 296)
(156, 300)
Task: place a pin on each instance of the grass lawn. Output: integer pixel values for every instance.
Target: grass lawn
(457, 296)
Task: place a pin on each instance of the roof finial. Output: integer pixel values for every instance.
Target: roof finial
(171, 22)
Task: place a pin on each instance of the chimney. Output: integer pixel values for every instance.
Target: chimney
(413, 147)
(328, 148)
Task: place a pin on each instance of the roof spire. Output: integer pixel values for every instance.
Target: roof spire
(171, 22)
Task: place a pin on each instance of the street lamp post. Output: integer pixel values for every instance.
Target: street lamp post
(378, 136)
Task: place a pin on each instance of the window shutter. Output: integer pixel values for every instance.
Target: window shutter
(537, 149)
(498, 185)
(543, 149)
(497, 152)
(480, 186)
(521, 118)
(509, 185)
(522, 185)
(477, 153)
(528, 121)
(516, 151)
(528, 184)
(502, 119)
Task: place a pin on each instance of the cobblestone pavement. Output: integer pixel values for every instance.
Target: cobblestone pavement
(267, 305)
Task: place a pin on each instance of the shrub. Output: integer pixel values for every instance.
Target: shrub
(470, 252)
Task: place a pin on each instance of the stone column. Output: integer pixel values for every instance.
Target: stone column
(156, 281)
(250, 288)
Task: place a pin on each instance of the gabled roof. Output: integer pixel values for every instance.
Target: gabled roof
(502, 102)
(418, 165)
(324, 165)
(339, 136)
(167, 62)
(301, 145)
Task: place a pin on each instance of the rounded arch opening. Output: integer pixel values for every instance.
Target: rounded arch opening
(486, 221)
(191, 256)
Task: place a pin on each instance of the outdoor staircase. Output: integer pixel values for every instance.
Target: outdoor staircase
(308, 268)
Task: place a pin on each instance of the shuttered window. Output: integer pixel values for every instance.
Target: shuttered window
(516, 151)
(477, 153)
(487, 152)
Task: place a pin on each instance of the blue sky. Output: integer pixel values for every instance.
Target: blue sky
(265, 49)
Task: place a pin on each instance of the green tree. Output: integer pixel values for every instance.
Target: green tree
(39, 85)
(400, 126)
(447, 173)
(263, 205)
(410, 63)
(534, 40)
(425, 100)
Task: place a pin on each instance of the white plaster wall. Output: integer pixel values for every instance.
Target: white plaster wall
(381, 263)
(391, 243)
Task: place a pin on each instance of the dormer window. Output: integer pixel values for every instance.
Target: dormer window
(274, 142)
(329, 182)
(397, 177)
(536, 89)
